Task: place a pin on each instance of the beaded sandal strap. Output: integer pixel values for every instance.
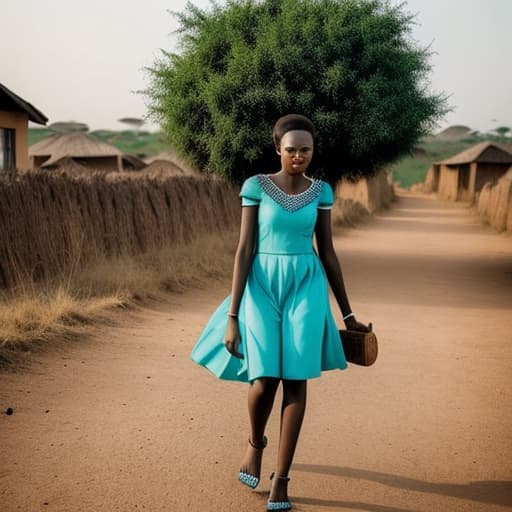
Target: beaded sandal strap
(279, 477)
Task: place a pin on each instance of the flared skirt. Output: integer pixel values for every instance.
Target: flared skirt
(287, 328)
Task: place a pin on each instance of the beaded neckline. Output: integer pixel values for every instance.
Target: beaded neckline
(290, 202)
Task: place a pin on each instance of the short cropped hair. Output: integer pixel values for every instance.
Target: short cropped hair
(291, 122)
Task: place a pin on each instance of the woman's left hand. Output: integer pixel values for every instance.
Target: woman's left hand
(353, 325)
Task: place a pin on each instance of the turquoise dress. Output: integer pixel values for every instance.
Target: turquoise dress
(287, 329)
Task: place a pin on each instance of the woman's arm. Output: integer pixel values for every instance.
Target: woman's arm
(243, 255)
(243, 259)
(332, 267)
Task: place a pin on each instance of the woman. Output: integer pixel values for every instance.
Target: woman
(276, 326)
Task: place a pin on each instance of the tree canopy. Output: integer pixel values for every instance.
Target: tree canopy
(502, 131)
(349, 65)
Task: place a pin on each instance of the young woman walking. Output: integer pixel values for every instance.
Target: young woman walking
(276, 326)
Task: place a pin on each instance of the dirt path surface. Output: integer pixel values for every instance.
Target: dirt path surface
(127, 422)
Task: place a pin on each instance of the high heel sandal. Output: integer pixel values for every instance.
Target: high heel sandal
(252, 481)
(279, 505)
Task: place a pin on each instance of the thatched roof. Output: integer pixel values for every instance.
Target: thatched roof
(75, 144)
(171, 157)
(11, 102)
(132, 162)
(168, 156)
(484, 152)
(162, 169)
(71, 167)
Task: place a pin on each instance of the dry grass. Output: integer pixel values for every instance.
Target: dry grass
(167, 269)
(33, 318)
(29, 319)
(494, 203)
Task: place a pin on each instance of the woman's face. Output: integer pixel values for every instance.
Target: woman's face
(296, 150)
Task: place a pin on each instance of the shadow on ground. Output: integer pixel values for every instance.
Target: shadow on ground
(496, 492)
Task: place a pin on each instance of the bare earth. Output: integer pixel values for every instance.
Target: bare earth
(126, 422)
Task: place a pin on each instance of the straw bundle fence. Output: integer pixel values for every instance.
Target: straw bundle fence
(495, 202)
(53, 225)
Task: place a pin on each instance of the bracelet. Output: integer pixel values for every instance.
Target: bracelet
(234, 315)
(348, 316)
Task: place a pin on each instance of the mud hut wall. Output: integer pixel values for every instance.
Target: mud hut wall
(53, 225)
(509, 217)
(473, 168)
(372, 193)
(448, 181)
(463, 192)
(464, 195)
(18, 121)
(37, 161)
(428, 182)
(435, 181)
(381, 187)
(354, 191)
(431, 181)
(101, 163)
(488, 173)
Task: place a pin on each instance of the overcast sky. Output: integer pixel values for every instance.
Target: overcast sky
(82, 60)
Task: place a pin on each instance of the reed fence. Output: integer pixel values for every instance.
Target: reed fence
(54, 225)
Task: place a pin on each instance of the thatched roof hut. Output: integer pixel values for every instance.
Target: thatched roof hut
(170, 156)
(463, 175)
(15, 113)
(164, 168)
(483, 152)
(52, 152)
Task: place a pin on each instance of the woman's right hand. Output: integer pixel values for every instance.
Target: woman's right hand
(232, 337)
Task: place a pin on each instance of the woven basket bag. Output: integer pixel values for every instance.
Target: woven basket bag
(359, 347)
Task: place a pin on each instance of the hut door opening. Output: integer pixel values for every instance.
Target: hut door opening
(463, 182)
(435, 181)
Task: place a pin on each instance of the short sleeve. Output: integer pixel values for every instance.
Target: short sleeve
(326, 199)
(250, 192)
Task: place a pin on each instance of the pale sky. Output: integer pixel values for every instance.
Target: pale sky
(82, 61)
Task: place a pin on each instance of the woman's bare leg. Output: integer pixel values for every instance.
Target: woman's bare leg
(292, 414)
(260, 400)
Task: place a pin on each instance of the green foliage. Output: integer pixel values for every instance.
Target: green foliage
(349, 65)
(37, 134)
(502, 131)
(410, 170)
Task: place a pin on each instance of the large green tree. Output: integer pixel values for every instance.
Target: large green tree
(350, 65)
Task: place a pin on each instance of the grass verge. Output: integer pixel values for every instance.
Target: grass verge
(34, 317)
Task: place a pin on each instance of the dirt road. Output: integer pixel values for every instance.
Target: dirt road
(127, 422)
